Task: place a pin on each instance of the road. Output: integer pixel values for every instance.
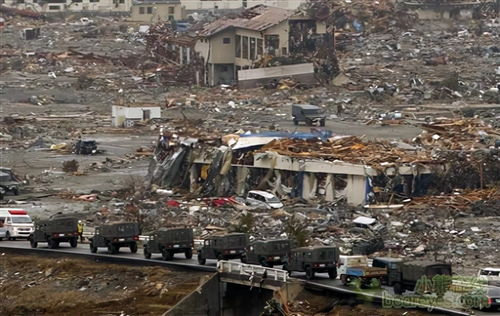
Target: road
(321, 280)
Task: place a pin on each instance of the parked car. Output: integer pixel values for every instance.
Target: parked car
(169, 241)
(309, 114)
(263, 199)
(267, 253)
(223, 247)
(490, 275)
(9, 182)
(312, 260)
(405, 275)
(356, 269)
(114, 236)
(58, 228)
(483, 298)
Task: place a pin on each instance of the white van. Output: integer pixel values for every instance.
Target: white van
(17, 222)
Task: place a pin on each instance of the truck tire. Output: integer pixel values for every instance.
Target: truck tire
(398, 288)
(332, 273)
(167, 255)
(285, 267)
(309, 122)
(295, 122)
(33, 243)
(322, 123)
(243, 259)
(344, 279)
(112, 248)
(52, 243)
(7, 236)
(93, 249)
(188, 253)
(133, 248)
(201, 260)
(309, 273)
(147, 254)
(73, 242)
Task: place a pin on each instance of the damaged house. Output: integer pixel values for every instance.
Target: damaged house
(228, 45)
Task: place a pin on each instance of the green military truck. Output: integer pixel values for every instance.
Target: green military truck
(169, 241)
(312, 260)
(405, 275)
(223, 247)
(55, 230)
(267, 253)
(114, 236)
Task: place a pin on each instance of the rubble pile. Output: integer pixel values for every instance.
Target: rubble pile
(349, 149)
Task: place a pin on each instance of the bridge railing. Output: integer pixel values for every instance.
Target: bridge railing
(252, 270)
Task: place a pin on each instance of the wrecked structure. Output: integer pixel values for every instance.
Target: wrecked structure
(85, 6)
(316, 166)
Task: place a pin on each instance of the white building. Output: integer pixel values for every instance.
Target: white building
(51, 6)
(126, 116)
(236, 4)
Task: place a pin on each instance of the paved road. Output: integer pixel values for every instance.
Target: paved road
(321, 280)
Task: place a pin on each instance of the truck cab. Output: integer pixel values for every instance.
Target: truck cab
(267, 253)
(16, 222)
(308, 114)
(223, 247)
(312, 260)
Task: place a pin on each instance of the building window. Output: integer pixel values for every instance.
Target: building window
(225, 68)
(142, 10)
(150, 10)
(93, 0)
(79, 1)
(20, 1)
(171, 10)
(237, 46)
(226, 40)
(121, 1)
(171, 18)
(54, 7)
(252, 48)
(272, 44)
(283, 51)
(245, 47)
(260, 48)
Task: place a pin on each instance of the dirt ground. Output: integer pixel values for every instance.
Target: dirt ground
(38, 286)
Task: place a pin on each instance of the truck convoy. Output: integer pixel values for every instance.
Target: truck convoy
(312, 260)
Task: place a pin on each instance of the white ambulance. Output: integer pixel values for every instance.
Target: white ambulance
(16, 222)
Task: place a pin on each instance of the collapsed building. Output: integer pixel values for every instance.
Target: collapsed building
(330, 168)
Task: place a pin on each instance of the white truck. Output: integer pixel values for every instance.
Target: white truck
(16, 222)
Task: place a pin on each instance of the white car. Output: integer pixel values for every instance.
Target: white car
(263, 199)
(490, 275)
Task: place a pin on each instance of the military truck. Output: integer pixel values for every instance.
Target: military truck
(58, 228)
(405, 275)
(267, 253)
(313, 259)
(308, 114)
(355, 269)
(387, 263)
(114, 236)
(223, 247)
(169, 241)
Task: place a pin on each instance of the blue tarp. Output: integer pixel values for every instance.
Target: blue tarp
(314, 134)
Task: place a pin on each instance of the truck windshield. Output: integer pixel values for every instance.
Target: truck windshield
(21, 220)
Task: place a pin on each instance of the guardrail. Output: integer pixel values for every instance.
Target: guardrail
(252, 270)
